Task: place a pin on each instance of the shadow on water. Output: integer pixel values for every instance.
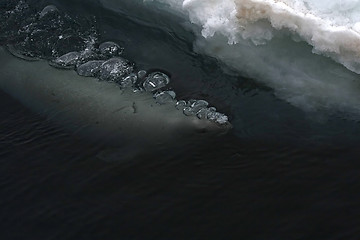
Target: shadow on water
(63, 191)
(53, 186)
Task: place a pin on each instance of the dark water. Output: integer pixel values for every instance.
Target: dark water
(280, 174)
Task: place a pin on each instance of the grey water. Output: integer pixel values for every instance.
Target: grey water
(280, 173)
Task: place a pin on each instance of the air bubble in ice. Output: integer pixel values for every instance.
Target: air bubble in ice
(188, 111)
(48, 9)
(89, 69)
(129, 81)
(137, 90)
(67, 60)
(212, 109)
(165, 97)
(155, 80)
(198, 105)
(201, 110)
(110, 49)
(141, 74)
(191, 101)
(192, 107)
(203, 113)
(180, 105)
(114, 69)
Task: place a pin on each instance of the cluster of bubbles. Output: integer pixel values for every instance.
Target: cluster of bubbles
(47, 34)
(119, 70)
(89, 59)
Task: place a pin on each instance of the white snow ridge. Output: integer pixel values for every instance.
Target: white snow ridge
(308, 51)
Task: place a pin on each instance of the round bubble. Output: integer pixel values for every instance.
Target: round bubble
(192, 107)
(89, 69)
(165, 97)
(141, 74)
(67, 60)
(110, 49)
(180, 105)
(188, 111)
(155, 81)
(129, 81)
(203, 113)
(198, 105)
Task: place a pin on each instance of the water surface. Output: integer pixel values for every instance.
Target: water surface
(281, 173)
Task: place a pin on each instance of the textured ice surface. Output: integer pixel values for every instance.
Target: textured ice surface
(217, 117)
(47, 34)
